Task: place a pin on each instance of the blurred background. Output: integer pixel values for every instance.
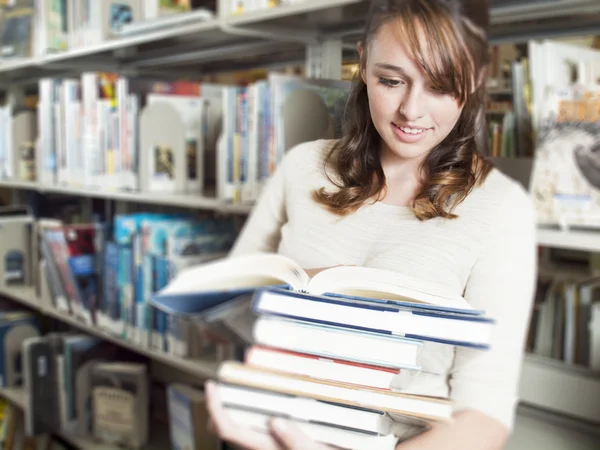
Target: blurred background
(135, 137)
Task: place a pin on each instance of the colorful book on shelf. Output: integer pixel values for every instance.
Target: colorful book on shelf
(204, 286)
(56, 252)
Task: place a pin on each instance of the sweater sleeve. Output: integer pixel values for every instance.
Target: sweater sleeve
(502, 282)
(262, 230)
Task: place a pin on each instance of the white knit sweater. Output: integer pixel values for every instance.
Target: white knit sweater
(488, 255)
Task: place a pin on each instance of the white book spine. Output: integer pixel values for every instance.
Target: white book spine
(90, 127)
(45, 154)
(225, 149)
(126, 124)
(131, 173)
(59, 141)
(9, 153)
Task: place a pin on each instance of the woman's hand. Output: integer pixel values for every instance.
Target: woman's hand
(283, 434)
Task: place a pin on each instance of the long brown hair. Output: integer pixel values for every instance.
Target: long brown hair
(454, 57)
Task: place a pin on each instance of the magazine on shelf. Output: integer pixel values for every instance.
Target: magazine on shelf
(565, 181)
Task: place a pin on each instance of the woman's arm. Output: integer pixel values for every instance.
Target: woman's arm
(484, 384)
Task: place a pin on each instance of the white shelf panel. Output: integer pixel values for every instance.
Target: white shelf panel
(111, 45)
(569, 239)
(196, 367)
(522, 11)
(18, 184)
(197, 32)
(181, 200)
(556, 386)
(535, 430)
(9, 66)
(22, 294)
(130, 41)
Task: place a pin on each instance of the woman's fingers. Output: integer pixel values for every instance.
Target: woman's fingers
(229, 431)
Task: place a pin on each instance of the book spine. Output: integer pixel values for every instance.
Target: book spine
(109, 314)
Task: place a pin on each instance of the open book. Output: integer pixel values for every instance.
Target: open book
(199, 288)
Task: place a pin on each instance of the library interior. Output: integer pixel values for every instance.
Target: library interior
(135, 143)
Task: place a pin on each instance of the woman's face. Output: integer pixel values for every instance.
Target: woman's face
(411, 116)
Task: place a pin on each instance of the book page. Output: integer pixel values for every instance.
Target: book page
(249, 271)
(383, 284)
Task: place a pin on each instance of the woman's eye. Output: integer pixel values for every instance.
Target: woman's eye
(389, 82)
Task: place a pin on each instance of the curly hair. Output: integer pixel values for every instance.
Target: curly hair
(454, 57)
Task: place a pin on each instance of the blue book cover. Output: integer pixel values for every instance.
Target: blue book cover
(176, 243)
(411, 322)
(110, 304)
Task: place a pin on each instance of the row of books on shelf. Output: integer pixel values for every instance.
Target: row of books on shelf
(109, 283)
(508, 109)
(82, 387)
(44, 27)
(332, 352)
(104, 274)
(50, 27)
(565, 323)
(80, 371)
(501, 136)
(107, 131)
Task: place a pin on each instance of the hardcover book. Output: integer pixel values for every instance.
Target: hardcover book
(350, 297)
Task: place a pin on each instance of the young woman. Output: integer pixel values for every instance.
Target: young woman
(406, 189)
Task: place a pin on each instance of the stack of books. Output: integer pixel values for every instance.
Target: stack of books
(325, 350)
